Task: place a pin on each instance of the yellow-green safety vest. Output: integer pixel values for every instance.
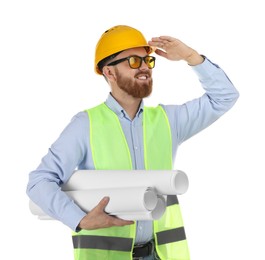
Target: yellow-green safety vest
(110, 151)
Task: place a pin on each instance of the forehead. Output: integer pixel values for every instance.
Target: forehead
(140, 51)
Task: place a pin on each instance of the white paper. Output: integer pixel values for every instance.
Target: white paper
(121, 199)
(134, 194)
(136, 199)
(169, 182)
(155, 214)
(36, 210)
(144, 214)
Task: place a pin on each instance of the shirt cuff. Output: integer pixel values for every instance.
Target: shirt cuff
(73, 217)
(206, 68)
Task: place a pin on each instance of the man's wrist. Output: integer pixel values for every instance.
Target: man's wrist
(195, 59)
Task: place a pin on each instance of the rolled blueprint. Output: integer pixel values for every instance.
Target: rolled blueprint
(36, 210)
(134, 194)
(168, 182)
(154, 214)
(121, 199)
(137, 200)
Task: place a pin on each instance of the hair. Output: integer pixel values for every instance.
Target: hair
(104, 62)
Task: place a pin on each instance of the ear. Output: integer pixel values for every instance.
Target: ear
(109, 73)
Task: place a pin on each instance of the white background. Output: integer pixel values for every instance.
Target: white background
(46, 76)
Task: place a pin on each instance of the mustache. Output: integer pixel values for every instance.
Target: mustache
(148, 73)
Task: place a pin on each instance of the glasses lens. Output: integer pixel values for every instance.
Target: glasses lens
(150, 61)
(135, 62)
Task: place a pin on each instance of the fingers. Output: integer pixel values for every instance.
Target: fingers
(161, 41)
(120, 222)
(156, 42)
(167, 47)
(102, 204)
(161, 53)
(112, 220)
(98, 218)
(173, 49)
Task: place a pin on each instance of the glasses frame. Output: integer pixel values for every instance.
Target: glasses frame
(113, 63)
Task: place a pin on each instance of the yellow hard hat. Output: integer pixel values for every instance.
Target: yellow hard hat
(116, 39)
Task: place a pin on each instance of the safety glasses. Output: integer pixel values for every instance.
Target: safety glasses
(135, 61)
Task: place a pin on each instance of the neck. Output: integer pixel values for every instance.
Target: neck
(129, 103)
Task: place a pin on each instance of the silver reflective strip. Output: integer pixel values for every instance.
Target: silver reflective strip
(103, 242)
(172, 199)
(172, 235)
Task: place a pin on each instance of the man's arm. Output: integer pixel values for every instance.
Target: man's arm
(220, 94)
(56, 167)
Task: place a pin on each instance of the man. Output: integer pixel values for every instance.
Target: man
(122, 133)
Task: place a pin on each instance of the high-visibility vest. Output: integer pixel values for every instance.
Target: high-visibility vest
(110, 151)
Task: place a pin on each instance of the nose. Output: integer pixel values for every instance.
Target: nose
(143, 66)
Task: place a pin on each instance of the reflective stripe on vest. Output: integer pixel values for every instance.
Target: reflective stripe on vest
(110, 151)
(169, 236)
(103, 242)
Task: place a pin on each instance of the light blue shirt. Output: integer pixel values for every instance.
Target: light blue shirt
(72, 150)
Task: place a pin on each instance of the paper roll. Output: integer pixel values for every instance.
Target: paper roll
(134, 194)
(136, 199)
(169, 182)
(154, 214)
(36, 210)
(121, 199)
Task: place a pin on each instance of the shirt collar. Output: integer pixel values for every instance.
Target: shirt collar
(112, 103)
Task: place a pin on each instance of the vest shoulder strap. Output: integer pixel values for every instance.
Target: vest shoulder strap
(157, 139)
(109, 147)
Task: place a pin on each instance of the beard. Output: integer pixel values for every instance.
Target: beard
(135, 88)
